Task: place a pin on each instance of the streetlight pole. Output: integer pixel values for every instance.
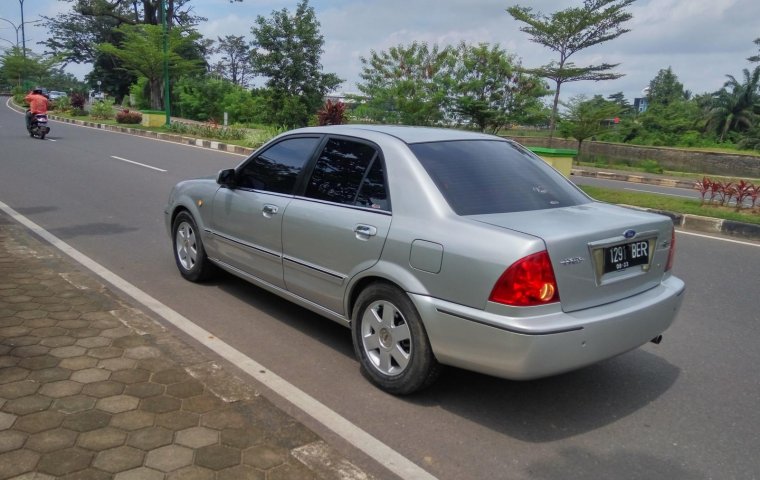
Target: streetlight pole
(167, 93)
(23, 35)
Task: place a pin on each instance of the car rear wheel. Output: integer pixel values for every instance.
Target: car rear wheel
(192, 262)
(390, 341)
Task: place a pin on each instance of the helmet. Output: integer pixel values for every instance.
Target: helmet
(38, 90)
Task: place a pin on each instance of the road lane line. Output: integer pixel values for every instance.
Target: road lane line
(138, 163)
(371, 446)
(701, 235)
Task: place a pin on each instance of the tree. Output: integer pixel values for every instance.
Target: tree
(236, 59)
(665, 88)
(489, 90)
(141, 53)
(407, 84)
(755, 58)
(737, 105)
(625, 106)
(287, 50)
(572, 30)
(24, 69)
(585, 118)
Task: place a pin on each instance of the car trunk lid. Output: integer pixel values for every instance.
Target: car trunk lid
(600, 253)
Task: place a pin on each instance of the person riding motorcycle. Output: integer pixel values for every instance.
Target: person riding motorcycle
(38, 105)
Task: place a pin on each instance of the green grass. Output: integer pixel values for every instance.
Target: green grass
(670, 204)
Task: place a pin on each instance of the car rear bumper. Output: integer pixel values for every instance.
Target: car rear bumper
(502, 346)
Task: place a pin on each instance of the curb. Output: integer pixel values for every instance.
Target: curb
(732, 228)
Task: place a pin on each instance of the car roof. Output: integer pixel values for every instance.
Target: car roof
(404, 133)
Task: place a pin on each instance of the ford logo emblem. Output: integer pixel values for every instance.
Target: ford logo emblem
(629, 233)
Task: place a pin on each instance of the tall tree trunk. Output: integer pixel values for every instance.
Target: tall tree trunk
(155, 94)
(553, 119)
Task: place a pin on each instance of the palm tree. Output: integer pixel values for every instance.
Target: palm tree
(736, 106)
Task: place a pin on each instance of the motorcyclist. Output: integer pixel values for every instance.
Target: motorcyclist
(38, 105)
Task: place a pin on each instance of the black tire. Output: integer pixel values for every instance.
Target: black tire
(189, 254)
(390, 341)
(42, 136)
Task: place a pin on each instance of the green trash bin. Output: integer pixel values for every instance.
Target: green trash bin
(559, 158)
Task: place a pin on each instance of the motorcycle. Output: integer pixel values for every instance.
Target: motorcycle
(38, 126)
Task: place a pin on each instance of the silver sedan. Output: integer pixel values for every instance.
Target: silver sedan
(436, 247)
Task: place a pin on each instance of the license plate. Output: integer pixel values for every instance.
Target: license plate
(627, 255)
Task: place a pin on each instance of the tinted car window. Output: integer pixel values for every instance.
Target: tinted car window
(340, 171)
(373, 192)
(277, 168)
(484, 176)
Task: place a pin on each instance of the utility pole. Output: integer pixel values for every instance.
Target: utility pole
(167, 93)
(23, 35)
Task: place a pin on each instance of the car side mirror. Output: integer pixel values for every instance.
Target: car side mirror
(226, 178)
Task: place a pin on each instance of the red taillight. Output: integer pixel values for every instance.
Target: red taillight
(527, 282)
(672, 251)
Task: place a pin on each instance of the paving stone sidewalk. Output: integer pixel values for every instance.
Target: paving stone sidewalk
(91, 388)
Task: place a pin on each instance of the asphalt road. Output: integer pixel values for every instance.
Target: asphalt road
(686, 409)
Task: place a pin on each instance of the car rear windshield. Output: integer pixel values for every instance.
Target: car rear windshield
(490, 176)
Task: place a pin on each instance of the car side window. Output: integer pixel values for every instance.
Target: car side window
(277, 168)
(347, 172)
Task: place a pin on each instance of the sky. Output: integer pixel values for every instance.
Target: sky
(701, 40)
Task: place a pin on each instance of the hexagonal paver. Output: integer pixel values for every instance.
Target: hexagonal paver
(78, 363)
(6, 420)
(117, 332)
(87, 420)
(63, 388)
(187, 389)
(145, 389)
(102, 439)
(39, 362)
(221, 419)
(48, 332)
(17, 462)
(169, 458)
(18, 389)
(133, 420)
(39, 422)
(150, 438)
(54, 374)
(74, 404)
(243, 438)
(118, 403)
(119, 459)
(115, 364)
(90, 375)
(51, 440)
(193, 472)
(94, 342)
(243, 472)
(170, 376)
(88, 474)
(63, 462)
(142, 352)
(11, 440)
(178, 420)
(56, 342)
(13, 374)
(134, 375)
(29, 404)
(197, 437)
(103, 389)
(160, 404)
(202, 403)
(131, 341)
(141, 473)
(29, 351)
(103, 353)
(217, 457)
(69, 351)
(264, 456)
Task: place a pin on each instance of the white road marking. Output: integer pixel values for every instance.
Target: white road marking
(701, 235)
(372, 447)
(138, 163)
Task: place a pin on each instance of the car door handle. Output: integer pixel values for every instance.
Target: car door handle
(363, 232)
(269, 210)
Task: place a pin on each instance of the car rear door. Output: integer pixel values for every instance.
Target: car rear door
(247, 218)
(338, 226)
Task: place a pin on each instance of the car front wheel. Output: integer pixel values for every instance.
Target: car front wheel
(188, 249)
(390, 341)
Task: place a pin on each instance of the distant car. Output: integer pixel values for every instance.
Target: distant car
(436, 247)
(55, 95)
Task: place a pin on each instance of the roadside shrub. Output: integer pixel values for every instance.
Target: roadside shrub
(208, 130)
(651, 166)
(102, 109)
(78, 100)
(717, 193)
(332, 114)
(129, 117)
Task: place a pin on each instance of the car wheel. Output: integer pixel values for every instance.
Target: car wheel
(390, 341)
(192, 262)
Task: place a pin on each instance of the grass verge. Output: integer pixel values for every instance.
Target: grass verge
(672, 204)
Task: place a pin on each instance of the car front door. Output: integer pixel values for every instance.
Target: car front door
(247, 217)
(338, 227)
